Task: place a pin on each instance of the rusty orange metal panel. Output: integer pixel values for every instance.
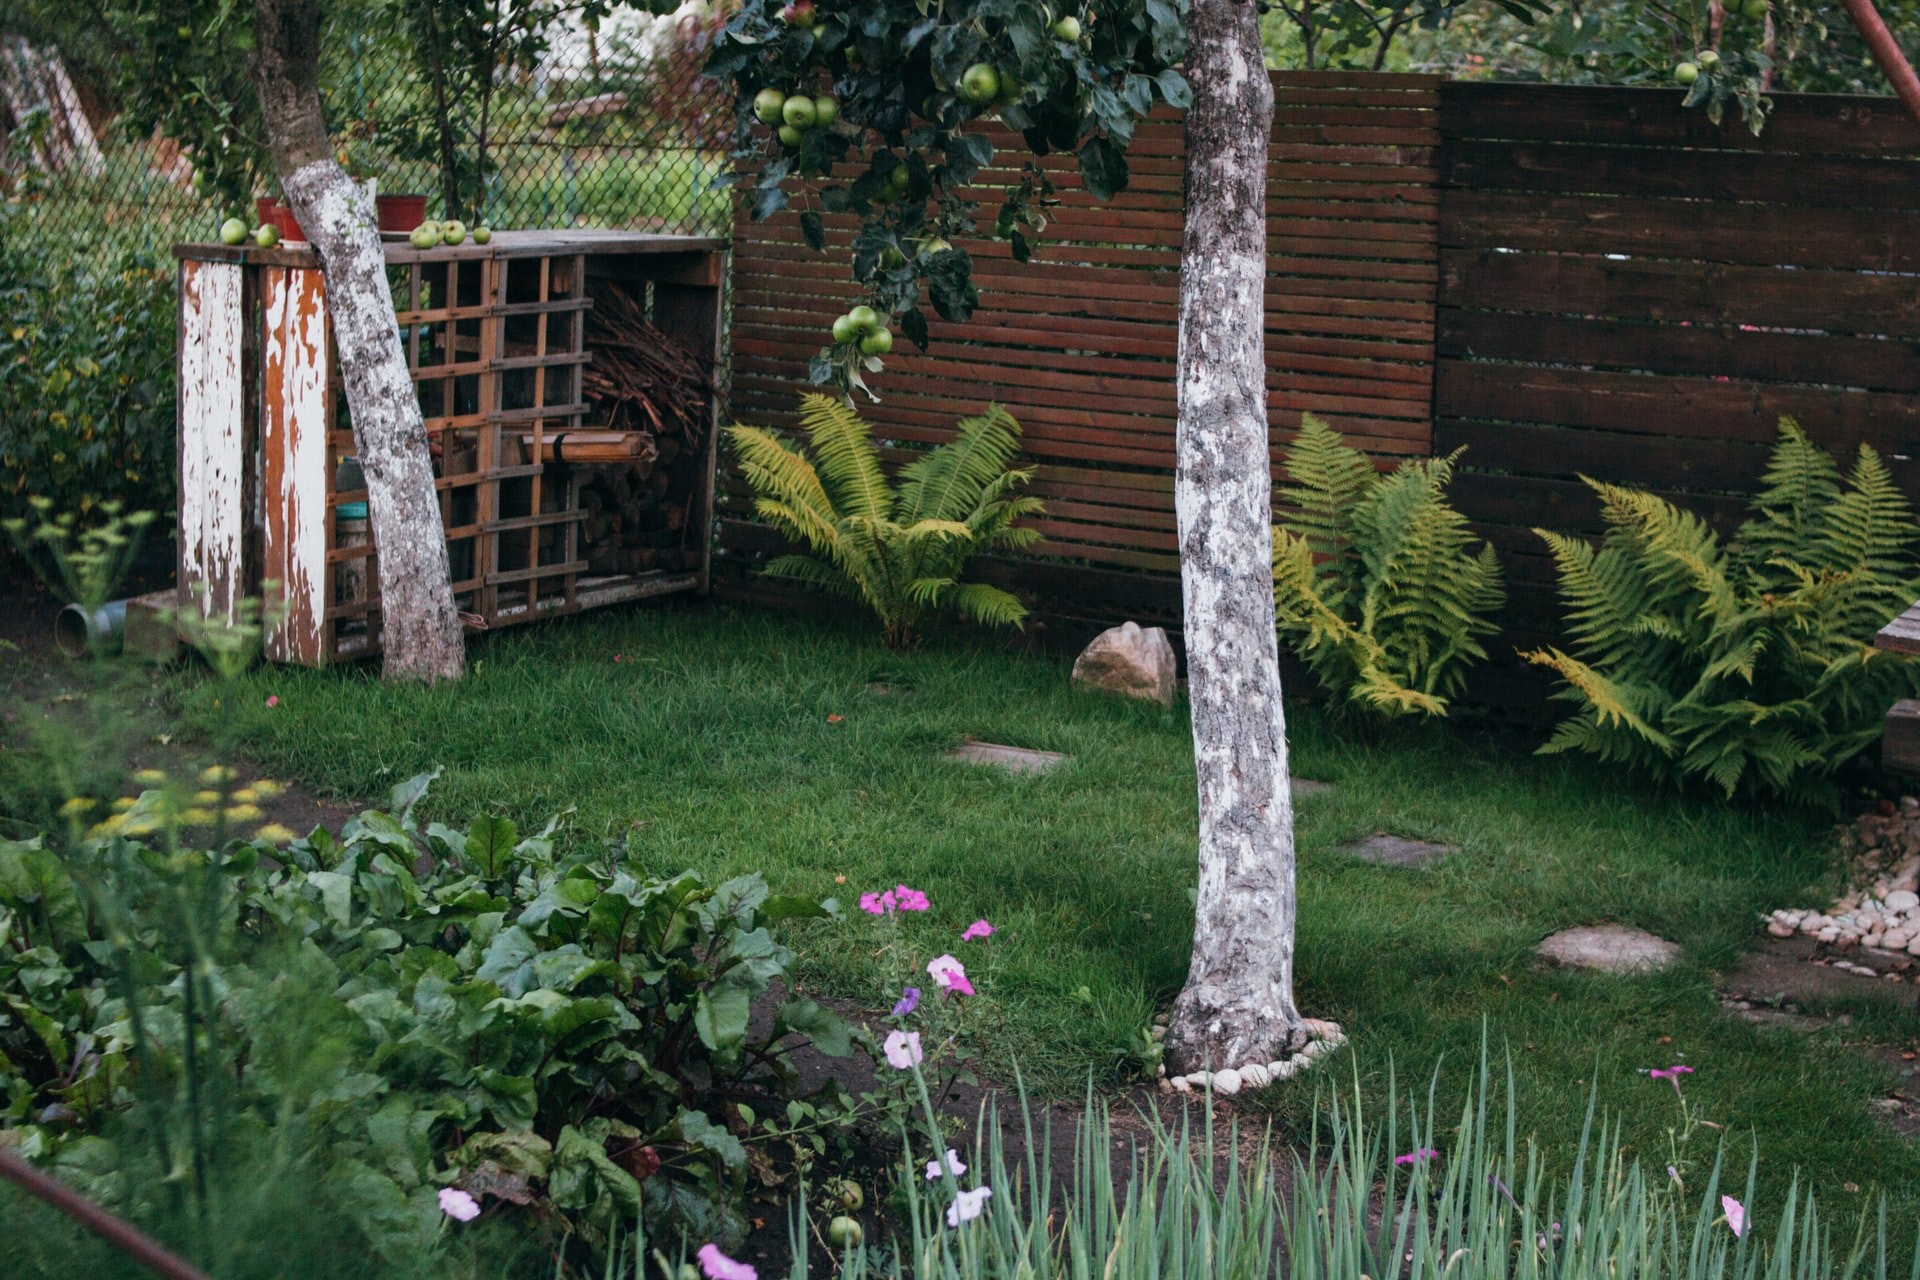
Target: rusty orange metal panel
(293, 440)
(212, 445)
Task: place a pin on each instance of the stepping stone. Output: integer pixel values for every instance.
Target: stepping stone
(1304, 787)
(1012, 759)
(1612, 948)
(1385, 850)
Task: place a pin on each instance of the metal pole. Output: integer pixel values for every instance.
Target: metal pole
(120, 1234)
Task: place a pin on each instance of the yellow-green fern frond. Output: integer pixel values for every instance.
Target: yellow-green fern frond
(847, 460)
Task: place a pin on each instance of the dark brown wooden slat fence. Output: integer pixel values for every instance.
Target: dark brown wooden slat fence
(1079, 343)
(1632, 293)
(1563, 280)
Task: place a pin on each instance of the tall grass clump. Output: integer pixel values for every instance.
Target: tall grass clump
(1365, 1198)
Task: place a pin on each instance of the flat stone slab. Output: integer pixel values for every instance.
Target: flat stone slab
(1612, 948)
(1012, 759)
(1304, 787)
(1385, 850)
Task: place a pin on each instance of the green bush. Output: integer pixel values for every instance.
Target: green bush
(1375, 580)
(898, 548)
(1746, 664)
(86, 379)
(410, 1010)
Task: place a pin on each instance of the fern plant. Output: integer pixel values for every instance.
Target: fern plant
(1376, 584)
(1749, 663)
(900, 548)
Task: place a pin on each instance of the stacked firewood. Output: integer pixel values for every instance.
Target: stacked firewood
(641, 381)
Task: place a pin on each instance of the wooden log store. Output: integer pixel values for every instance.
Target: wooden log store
(567, 381)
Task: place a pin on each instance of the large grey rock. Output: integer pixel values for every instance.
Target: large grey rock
(1611, 947)
(1130, 660)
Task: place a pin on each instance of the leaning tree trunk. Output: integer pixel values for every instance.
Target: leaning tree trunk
(1237, 1007)
(420, 628)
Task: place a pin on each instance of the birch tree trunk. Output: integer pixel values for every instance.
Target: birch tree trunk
(420, 628)
(1237, 1006)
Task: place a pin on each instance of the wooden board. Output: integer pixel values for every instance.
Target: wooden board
(212, 438)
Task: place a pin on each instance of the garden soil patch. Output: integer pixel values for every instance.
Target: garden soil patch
(39, 683)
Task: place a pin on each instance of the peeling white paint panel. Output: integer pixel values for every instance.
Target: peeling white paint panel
(212, 443)
(293, 436)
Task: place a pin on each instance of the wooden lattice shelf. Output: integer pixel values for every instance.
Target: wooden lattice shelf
(554, 497)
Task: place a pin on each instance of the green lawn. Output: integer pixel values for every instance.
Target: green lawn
(708, 744)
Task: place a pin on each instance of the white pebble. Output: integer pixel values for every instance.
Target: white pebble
(1903, 900)
(1254, 1076)
(1179, 1085)
(1227, 1082)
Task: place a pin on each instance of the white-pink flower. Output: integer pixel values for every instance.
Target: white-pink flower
(1736, 1214)
(716, 1265)
(968, 1205)
(902, 1049)
(950, 974)
(952, 1166)
(458, 1205)
(978, 929)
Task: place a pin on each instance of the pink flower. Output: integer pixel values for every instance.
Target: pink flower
(1419, 1155)
(903, 1050)
(1670, 1073)
(909, 899)
(950, 974)
(458, 1205)
(909, 1001)
(616, 657)
(978, 929)
(952, 1166)
(877, 904)
(716, 1265)
(273, 699)
(1736, 1214)
(968, 1205)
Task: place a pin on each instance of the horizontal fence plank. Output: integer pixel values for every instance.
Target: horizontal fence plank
(1831, 301)
(1729, 351)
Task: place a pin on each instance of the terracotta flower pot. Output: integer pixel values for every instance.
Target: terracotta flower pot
(279, 215)
(400, 213)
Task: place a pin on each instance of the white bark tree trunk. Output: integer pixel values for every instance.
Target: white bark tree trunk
(420, 627)
(1237, 1006)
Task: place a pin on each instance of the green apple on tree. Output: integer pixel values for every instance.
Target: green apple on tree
(791, 136)
(980, 84)
(1068, 29)
(767, 105)
(825, 111)
(877, 343)
(798, 111)
(865, 318)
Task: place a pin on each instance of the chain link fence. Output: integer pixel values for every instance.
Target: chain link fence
(614, 127)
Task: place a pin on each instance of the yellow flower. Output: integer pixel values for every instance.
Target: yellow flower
(150, 778)
(275, 833)
(206, 797)
(214, 774)
(247, 795)
(124, 803)
(101, 830)
(196, 817)
(142, 824)
(266, 788)
(78, 807)
(244, 813)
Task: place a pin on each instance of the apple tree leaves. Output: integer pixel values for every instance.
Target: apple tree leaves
(900, 142)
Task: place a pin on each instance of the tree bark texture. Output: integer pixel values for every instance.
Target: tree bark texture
(420, 627)
(1237, 1006)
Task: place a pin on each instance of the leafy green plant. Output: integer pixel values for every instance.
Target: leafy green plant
(560, 1038)
(899, 547)
(1375, 580)
(1744, 664)
(86, 381)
